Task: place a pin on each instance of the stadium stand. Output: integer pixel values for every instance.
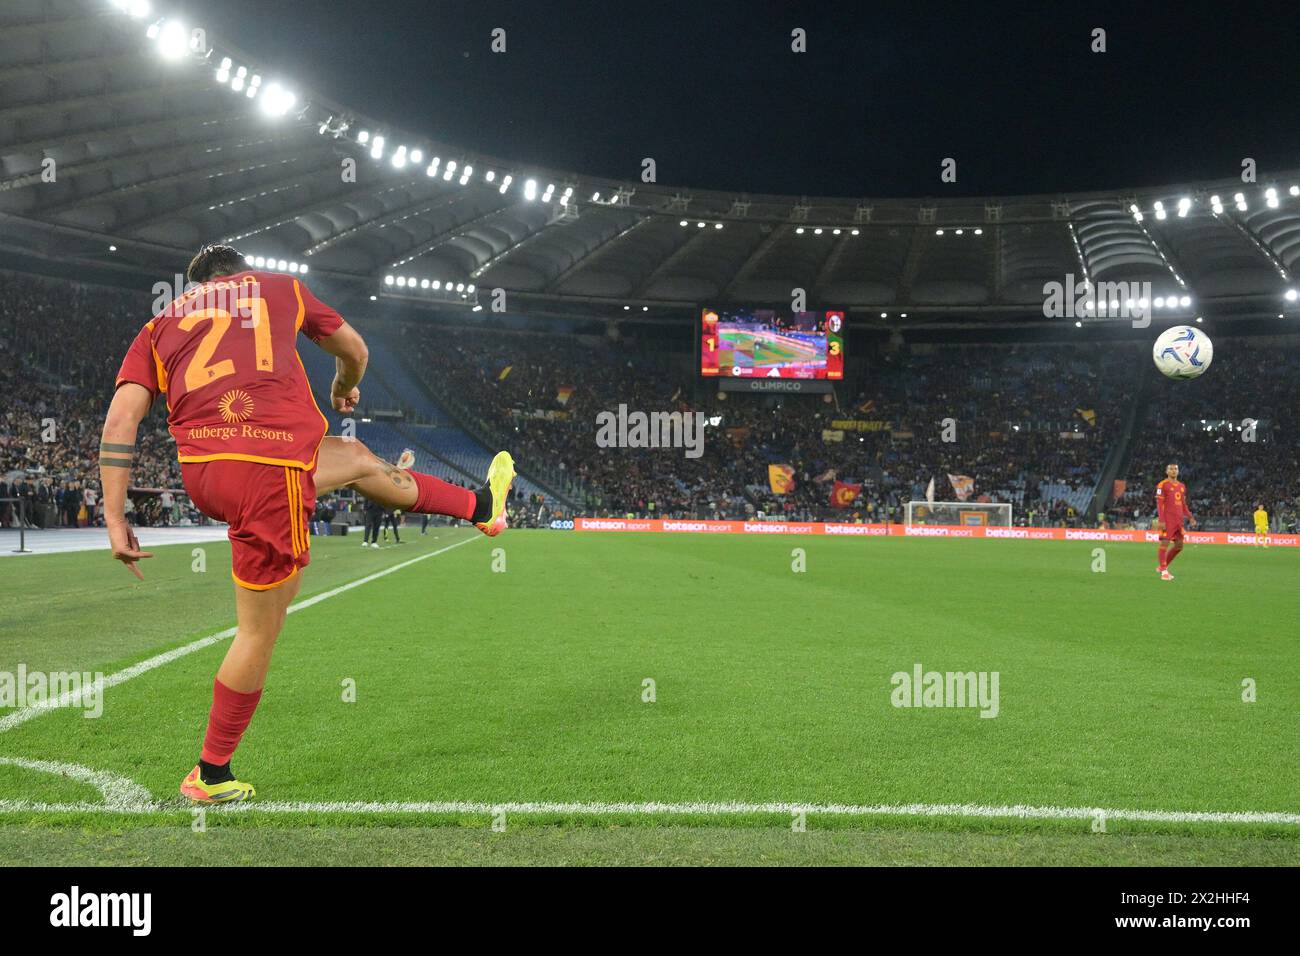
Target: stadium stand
(64, 342)
(1012, 406)
(1033, 423)
(1229, 464)
(397, 413)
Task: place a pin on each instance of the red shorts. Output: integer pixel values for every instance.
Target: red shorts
(267, 507)
(1172, 534)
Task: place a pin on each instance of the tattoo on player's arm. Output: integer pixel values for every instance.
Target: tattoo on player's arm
(116, 450)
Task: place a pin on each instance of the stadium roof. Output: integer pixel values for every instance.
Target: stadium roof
(162, 138)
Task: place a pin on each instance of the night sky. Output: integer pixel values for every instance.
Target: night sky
(712, 91)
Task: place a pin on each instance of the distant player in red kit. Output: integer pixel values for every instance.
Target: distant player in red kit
(1171, 509)
(253, 453)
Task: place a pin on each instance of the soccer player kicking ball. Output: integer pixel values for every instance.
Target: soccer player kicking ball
(253, 453)
(1171, 509)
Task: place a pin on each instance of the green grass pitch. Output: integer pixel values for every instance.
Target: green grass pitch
(528, 685)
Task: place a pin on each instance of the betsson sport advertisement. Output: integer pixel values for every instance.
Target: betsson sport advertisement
(772, 343)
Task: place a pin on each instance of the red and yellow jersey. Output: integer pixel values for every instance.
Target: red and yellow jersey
(225, 356)
(1171, 502)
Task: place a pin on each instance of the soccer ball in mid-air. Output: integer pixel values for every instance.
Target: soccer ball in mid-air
(1183, 352)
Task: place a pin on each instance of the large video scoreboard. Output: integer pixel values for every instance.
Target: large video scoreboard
(771, 343)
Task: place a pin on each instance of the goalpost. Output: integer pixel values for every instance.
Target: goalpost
(970, 513)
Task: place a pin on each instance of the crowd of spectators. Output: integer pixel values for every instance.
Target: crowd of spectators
(1030, 425)
(1230, 466)
(63, 343)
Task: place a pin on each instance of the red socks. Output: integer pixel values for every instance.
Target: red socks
(1164, 562)
(437, 497)
(227, 721)
(1173, 553)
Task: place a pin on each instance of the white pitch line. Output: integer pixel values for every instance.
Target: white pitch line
(733, 809)
(121, 794)
(10, 721)
(466, 808)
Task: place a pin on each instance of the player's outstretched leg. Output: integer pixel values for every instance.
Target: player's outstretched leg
(237, 691)
(500, 476)
(348, 463)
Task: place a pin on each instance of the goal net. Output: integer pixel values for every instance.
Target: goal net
(970, 513)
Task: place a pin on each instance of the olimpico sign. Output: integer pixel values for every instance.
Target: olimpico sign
(787, 385)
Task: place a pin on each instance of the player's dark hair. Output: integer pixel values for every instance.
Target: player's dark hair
(215, 260)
